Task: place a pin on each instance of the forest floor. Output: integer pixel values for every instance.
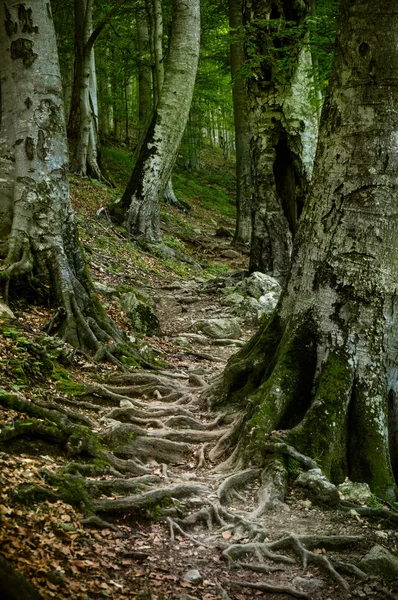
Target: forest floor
(163, 505)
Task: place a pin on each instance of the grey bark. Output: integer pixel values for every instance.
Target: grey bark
(144, 69)
(283, 130)
(323, 371)
(159, 151)
(243, 228)
(39, 232)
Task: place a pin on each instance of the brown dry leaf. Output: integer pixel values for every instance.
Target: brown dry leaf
(226, 534)
(51, 585)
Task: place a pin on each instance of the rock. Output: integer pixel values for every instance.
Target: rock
(104, 290)
(309, 585)
(355, 492)
(319, 487)
(233, 299)
(257, 285)
(179, 341)
(267, 303)
(218, 328)
(224, 232)
(188, 299)
(140, 315)
(193, 577)
(6, 312)
(230, 254)
(380, 562)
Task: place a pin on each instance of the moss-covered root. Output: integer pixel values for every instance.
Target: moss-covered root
(148, 501)
(13, 585)
(57, 427)
(273, 489)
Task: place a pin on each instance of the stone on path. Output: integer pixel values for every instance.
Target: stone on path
(355, 492)
(193, 577)
(380, 562)
(319, 486)
(218, 328)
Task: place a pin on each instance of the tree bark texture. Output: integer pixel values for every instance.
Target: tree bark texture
(243, 228)
(159, 150)
(324, 370)
(283, 130)
(38, 229)
(144, 68)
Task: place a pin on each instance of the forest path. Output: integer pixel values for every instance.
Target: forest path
(212, 537)
(156, 515)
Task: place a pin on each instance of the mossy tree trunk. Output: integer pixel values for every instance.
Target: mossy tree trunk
(38, 229)
(282, 124)
(323, 371)
(141, 199)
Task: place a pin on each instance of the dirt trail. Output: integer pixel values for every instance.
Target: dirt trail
(165, 509)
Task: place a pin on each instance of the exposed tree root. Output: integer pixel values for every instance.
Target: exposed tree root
(282, 448)
(176, 527)
(110, 486)
(97, 523)
(148, 500)
(272, 589)
(273, 489)
(228, 487)
(367, 511)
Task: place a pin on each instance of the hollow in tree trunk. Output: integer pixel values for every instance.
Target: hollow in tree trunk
(323, 371)
(38, 229)
(159, 150)
(283, 128)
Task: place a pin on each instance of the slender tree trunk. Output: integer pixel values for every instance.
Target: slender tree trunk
(243, 227)
(158, 45)
(323, 371)
(283, 129)
(159, 150)
(38, 232)
(144, 69)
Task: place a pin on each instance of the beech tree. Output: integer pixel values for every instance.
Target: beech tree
(159, 149)
(83, 116)
(243, 228)
(322, 373)
(38, 226)
(283, 126)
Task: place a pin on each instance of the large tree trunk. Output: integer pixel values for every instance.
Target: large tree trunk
(283, 128)
(159, 151)
(243, 230)
(323, 371)
(38, 231)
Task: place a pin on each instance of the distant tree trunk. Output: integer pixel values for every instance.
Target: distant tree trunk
(323, 372)
(158, 45)
(144, 68)
(159, 150)
(83, 120)
(38, 232)
(283, 129)
(243, 227)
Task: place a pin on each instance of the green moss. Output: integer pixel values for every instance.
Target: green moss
(30, 494)
(323, 432)
(71, 487)
(65, 384)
